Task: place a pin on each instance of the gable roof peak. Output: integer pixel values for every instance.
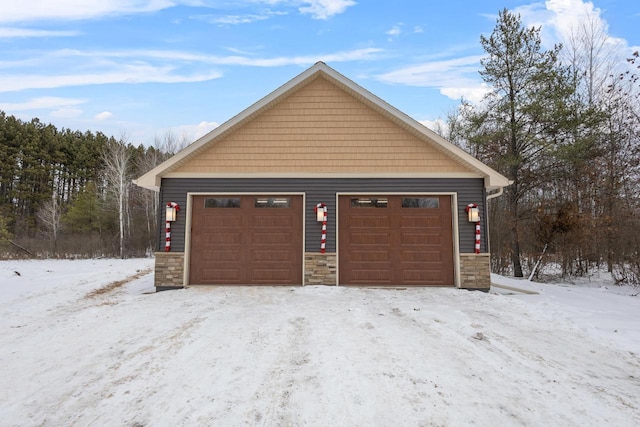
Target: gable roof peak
(493, 180)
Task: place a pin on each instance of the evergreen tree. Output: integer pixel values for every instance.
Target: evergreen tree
(86, 213)
(522, 117)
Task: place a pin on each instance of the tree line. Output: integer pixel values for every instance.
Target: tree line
(563, 124)
(69, 193)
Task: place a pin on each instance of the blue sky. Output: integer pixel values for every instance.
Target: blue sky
(144, 68)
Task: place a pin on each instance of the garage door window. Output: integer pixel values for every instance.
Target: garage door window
(221, 202)
(369, 202)
(272, 202)
(421, 202)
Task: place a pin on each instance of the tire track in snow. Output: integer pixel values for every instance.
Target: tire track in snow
(284, 378)
(533, 350)
(116, 285)
(134, 362)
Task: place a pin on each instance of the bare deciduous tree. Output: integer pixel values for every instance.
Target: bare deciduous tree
(163, 148)
(49, 216)
(593, 53)
(117, 174)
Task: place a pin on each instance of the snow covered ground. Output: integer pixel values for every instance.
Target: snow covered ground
(86, 343)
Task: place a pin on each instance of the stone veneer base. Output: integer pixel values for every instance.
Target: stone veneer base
(475, 271)
(320, 269)
(169, 270)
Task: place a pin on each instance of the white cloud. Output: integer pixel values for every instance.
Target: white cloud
(66, 113)
(566, 22)
(237, 51)
(186, 134)
(34, 61)
(231, 19)
(105, 115)
(436, 73)
(569, 14)
(126, 74)
(73, 10)
(237, 19)
(439, 126)
(29, 32)
(323, 9)
(472, 93)
(459, 78)
(455, 78)
(172, 56)
(560, 19)
(395, 31)
(69, 10)
(147, 66)
(41, 103)
(201, 129)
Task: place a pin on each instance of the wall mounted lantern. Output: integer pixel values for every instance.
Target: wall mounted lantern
(320, 214)
(172, 212)
(474, 216)
(171, 215)
(473, 212)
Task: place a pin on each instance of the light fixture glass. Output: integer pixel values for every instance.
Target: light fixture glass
(474, 214)
(171, 213)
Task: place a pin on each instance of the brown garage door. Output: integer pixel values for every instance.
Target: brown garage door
(246, 240)
(395, 240)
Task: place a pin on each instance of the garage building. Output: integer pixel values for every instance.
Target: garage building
(250, 197)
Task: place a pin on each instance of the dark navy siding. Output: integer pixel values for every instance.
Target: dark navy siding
(318, 190)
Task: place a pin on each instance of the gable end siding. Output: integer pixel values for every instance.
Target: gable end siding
(321, 129)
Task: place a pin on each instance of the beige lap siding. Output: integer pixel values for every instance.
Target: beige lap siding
(321, 129)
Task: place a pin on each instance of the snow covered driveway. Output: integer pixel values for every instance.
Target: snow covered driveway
(82, 346)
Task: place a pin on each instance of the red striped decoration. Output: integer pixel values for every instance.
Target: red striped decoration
(323, 241)
(477, 242)
(167, 244)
